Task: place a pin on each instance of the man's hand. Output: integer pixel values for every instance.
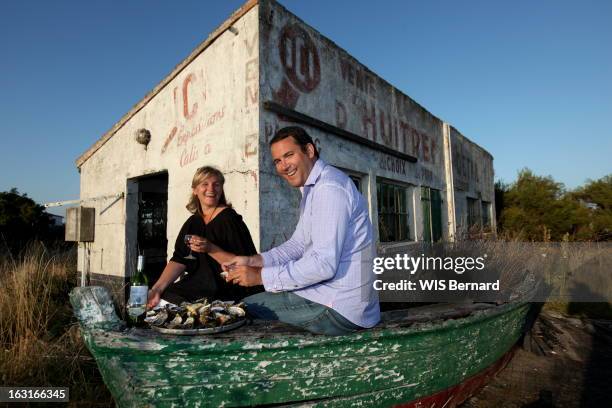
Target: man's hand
(235, 261)
(198, 244)
(255, 261)
(244, 275)
(153, 298)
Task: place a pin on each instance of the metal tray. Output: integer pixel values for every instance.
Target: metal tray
(206, 330)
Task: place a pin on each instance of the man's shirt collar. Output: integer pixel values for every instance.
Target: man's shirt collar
(315, 172)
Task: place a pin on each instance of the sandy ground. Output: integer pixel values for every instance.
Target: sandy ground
(565, 362)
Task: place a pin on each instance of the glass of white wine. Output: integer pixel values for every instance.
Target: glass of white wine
(187, 240)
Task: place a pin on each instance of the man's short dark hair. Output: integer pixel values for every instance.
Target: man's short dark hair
(299, 135)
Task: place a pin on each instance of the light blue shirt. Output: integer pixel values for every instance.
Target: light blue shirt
(328, 259)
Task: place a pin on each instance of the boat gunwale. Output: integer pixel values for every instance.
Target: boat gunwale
(104, 340)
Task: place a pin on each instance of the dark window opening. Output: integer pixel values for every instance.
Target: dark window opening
(473, 213)
(357, 181)
(486, 215)
(393, 216)
(431, 200)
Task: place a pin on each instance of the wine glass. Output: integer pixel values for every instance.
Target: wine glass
(187, 240)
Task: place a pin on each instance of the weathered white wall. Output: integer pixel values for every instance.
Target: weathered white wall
(305, 71)
(472, 171)
(207, 115)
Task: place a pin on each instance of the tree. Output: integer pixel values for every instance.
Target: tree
(21, 219)
(595, 198)
(537, 208)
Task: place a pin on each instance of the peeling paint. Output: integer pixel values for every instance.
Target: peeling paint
(398, 361)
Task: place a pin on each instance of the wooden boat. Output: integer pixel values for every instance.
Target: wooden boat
(435, 355)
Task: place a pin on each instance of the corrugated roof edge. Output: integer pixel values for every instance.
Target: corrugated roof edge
(236, 15)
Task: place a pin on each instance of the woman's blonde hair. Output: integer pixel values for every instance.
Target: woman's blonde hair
(201, 174)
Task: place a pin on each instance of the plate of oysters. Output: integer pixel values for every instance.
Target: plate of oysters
(200, 317)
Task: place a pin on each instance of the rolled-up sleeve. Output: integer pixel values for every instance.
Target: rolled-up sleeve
(330, 215)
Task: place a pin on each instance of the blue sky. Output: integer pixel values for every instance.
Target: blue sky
(529, 81)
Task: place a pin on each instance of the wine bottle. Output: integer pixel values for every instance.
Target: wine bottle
(139, 289)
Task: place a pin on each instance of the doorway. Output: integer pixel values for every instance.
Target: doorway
(147, 223)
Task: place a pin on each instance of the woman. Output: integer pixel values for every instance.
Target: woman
(217, 233)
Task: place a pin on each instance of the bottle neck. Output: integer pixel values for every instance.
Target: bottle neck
(139, 278)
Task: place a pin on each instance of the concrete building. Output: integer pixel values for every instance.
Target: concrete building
(261, 70)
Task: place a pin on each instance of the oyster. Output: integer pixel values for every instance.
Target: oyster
(200, 314)
(157, 319)
(187, 324)
(204, 309)
(222, 318)
(236, 311)
(192, 308)
(174, 323)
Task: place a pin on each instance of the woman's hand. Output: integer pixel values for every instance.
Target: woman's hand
(153, 298)
(198, 244)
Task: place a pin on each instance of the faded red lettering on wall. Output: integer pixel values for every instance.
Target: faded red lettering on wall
(188, 156)
(250, 46)
(380, 126)
(251, 74)
(251, 90)
(299, 57)
(425, 146)
(189, 96)
(250, 145)
(251, 95)
(386, 129)
(368, 122)
(270, 129)
(187, 111)
(465, 168)
(185, 135)
(341, 117)
(251, 70)
(286, 95)
(169, 139)
(300, 60)
(425, 175)
(254, 177)
(357, 77)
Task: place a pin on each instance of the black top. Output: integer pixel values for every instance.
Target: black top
(230, 233)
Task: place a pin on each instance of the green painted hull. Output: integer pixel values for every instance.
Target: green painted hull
(412, 354)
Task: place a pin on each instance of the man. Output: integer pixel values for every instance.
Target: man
(321, 278)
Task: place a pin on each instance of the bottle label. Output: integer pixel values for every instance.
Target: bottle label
(138, 295)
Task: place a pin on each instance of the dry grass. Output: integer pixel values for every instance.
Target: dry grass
(40, 341)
